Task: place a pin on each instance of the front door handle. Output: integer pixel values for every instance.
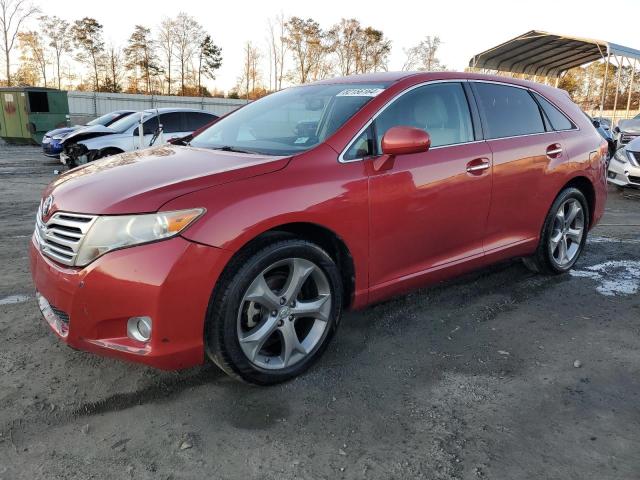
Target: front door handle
(554, 150)
(477, 166)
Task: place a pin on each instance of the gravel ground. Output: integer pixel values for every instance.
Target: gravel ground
(501, 374)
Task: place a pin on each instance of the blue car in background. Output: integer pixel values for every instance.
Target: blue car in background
(51, 142)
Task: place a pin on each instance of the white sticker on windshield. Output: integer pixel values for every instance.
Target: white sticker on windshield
(360, 92)
(301, 140)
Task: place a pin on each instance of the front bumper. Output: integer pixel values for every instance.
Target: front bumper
(623, 174)
(51, 148)
(170, 281)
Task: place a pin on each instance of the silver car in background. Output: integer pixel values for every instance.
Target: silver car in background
(627, 131)
(624, 167)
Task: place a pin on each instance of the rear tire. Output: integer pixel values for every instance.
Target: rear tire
(563, 235)
(254, 332)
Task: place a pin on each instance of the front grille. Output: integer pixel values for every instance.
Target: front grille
(633, 179)
(60, 237)
(636, 155)
(626, 138)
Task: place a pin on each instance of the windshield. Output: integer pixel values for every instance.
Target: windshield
(290, 121)
(107, 118)
(127, 122)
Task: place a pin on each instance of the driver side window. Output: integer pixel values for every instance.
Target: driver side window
(441, 109)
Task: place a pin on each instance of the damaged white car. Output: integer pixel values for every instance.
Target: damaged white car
(624, 167)
(158, 125)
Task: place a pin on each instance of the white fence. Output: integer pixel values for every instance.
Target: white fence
(84, 106)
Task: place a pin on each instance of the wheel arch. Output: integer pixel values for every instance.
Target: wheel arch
(110, 148)
(324, 237)
(585, 185)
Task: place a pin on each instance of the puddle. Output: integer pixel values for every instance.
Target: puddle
(617, 277)
(14, 299)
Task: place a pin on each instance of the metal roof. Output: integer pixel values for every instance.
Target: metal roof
(547, 54)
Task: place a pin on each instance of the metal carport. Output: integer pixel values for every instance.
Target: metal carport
(548, 55)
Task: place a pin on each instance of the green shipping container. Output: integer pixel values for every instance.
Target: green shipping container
(29, 112)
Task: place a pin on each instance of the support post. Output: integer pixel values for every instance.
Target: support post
(615, 98)
(604, 83)
(633, 74)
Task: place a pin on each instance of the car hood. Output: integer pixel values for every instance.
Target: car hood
(62, 131)
(629, 126)
(142, 181)
(84, 133)
(634, 145)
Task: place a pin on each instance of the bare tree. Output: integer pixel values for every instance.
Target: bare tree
(423, 56)
(188, 36)
(276, 31)
(13, 14)
(307, 40)
(34, 53)
(87, 36)
(250, 70)
(57, 32)
(373, 51)
(344, 39)
(140, 54)
(209, 60)
(113, 69)
(167, 41)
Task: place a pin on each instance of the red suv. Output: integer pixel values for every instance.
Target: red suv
(245, 246)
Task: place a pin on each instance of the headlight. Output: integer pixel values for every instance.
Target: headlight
(121, 231)
(59, 136)
(621, 155)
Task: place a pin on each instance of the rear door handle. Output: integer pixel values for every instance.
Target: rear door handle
(477, 166)
(554, 150)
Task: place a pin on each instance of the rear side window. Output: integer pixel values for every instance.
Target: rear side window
(508, 111)
(171, 122)
(557, 119)
(195, 120)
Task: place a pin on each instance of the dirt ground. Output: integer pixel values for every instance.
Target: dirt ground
(501, 374)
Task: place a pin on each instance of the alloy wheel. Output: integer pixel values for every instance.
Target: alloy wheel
(567, 232)
(284, 313)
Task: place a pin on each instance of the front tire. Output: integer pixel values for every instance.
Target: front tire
(563, 235)
(274, 311)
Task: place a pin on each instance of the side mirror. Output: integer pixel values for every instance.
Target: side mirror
(616, 129)
(596, 123)
(401, 141)
(405, 140)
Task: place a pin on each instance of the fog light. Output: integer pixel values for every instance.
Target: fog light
(139, 328)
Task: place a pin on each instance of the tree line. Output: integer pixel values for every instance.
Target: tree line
(300, 50)
(178, 56)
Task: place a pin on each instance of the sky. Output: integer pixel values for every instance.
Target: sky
(465, 27)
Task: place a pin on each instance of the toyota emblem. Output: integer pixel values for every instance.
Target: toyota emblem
(46, 205)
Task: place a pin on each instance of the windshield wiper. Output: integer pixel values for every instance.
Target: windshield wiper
(228, 148)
